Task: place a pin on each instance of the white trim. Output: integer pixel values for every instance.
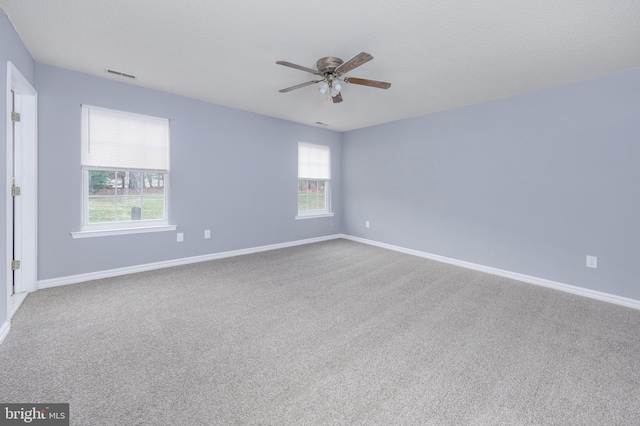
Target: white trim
(4, 330)
(122, 231)
(16, 302)
(8, 203)
(55, 282)
(314, 215)
(592, 294)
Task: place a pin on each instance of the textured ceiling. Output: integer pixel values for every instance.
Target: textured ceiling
(437, 54)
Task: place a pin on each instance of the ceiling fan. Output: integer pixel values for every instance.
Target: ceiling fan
(332, 70)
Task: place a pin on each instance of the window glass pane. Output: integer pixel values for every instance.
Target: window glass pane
(153, 183)
(101, 182)
(313, 195)
(303, 184)
(153, 196)
(130, 183)
(153, 208)
(102, 209)
(129, 207)
(322, 195)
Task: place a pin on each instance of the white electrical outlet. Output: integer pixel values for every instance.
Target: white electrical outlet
(366, 224)
(592, 262)
(207, 233)
(180, 237)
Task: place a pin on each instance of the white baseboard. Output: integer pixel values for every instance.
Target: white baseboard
(593, 294)
(4, 330)
(74, 279)
(598, 295)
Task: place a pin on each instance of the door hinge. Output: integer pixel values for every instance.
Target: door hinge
(15, 191)
(15, 116)
(15, 264)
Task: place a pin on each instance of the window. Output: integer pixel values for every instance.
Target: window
(314, 178)
(125, 171)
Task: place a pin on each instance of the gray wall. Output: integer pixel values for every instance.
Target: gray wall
(530, 183)
(232, 172)
(11, 49)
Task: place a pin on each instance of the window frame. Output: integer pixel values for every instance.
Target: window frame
(314, 213)
(124, 226)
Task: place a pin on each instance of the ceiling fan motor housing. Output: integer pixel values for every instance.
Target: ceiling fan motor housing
(328, 64)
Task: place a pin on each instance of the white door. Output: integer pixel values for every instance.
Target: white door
(16, 199)
(21, 201)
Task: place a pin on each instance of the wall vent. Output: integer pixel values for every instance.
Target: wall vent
(121, 74)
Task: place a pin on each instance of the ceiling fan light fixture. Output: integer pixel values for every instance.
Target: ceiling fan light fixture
(337, 86)
(323, 87)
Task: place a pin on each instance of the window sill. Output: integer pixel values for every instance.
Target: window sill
(122, 231)
(314, 215)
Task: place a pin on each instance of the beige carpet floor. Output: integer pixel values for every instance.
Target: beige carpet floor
(333, 333)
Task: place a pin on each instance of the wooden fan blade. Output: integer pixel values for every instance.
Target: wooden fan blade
(356, 61)
(298, 86)
(337, 98)
(299, 67)
(367, 82)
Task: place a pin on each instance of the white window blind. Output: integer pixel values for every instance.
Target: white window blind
(314, 161)
(120, 140)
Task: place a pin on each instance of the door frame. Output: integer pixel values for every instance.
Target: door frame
(27, 99)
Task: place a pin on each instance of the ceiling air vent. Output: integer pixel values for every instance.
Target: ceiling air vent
(321, 124)
(121, 74)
